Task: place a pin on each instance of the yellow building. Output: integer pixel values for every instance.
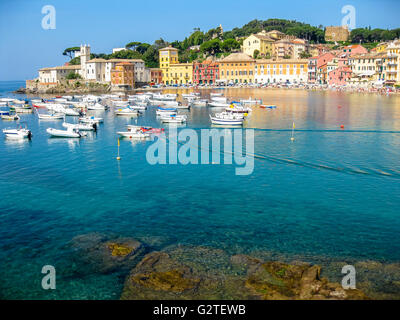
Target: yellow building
(281, 71)
(237, 68)
(260, 42)
(381, 47)
(174, 72)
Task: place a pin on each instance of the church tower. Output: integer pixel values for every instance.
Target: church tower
(85, 57)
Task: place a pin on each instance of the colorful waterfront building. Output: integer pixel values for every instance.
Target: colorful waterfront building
(237, 68)
(368, 69)
(281, 71)
(155, 75)
(206, 72)
(339, 76)
(174, 72)
(289, 47)
(318, 68)
(354, 49)
(123, 75)
(393, 61)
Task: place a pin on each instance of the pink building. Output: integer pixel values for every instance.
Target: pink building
(354, 49)
(316, 65)
(339, 76)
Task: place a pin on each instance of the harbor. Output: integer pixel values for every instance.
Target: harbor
(328, 196)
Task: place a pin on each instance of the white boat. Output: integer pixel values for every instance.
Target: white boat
(69, 133)
(218, 104)
(133, 133)
(182, 106)
(165, 111)
(173, 118)
(237, 108)
(200, 103)
(128, 111)
(90, 119)
(96, 106)
(225, 118)
(219, 99)
(10, 117)
(137, 107)
(80, 126)
(19, 133)
(51, 116)
(22, 109)
(216, 94)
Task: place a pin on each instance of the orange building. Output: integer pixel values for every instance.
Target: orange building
(123, 75)
(237, 68)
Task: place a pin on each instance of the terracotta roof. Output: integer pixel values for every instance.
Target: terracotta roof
(238, 57)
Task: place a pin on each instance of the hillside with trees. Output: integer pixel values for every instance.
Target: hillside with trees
(215, 42)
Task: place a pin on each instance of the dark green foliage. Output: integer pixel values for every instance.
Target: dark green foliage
(365, 35)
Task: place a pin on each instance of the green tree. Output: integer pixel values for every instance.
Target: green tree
(69, 51)
(305, 55)
(211, 47)
(230, 44)
(132, 45)
(72, 75)
(256, 53)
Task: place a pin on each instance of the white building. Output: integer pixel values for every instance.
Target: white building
(97, 69)
(55, 74)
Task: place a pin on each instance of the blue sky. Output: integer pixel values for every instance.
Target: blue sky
(25, 46)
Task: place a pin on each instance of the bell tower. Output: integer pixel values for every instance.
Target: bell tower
(85, 57)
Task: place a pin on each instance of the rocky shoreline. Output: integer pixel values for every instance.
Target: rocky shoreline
(197, 272)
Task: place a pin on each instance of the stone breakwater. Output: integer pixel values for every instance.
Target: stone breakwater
(196, 272)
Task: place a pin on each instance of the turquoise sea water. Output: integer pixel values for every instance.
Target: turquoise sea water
(332, 192)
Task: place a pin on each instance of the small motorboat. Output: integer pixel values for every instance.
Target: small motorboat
(19, 133)
(199, 103)
(138, 107)
(133, 133)
(216, 94)
(237, 108)
(146, 129)
(10, 117)
(182, 106)
(128, 111)
(81, 126)
(23, 109)
(90, 119)
(218, 104)
(226, 118)
(69, 133)
(51, 116)
(96, 106)
(173, 118)
(165, 111)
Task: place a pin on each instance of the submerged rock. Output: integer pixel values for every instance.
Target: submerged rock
(105, 254)
(186, 272)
